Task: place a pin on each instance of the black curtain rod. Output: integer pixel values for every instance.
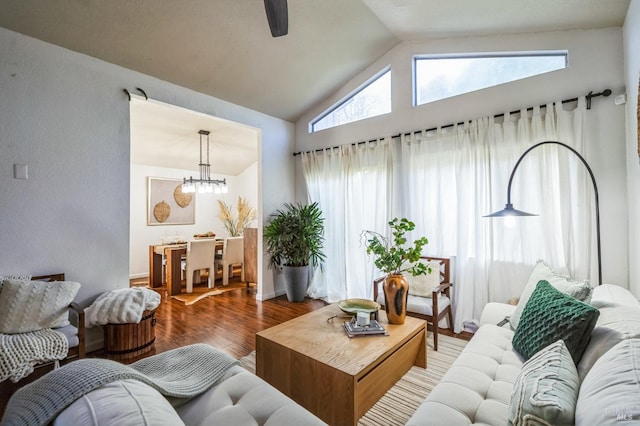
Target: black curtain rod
(589, 96)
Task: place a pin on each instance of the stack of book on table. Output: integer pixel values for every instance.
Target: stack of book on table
(373, 329)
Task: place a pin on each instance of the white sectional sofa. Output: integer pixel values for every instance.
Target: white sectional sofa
(192, 385)
(480, 385)
(241, 398)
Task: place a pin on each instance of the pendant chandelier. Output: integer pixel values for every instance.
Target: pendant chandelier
(205, 183)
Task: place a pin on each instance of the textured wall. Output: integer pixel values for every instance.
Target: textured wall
(65, 115)
(632, 75)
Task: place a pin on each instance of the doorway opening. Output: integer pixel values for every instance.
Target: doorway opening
(165, 147)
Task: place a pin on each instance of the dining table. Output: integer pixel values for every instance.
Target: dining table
(171, 255)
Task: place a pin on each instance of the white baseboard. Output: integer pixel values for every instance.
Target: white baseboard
(271, 295)
(136, 276)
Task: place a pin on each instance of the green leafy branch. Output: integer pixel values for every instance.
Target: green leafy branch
(392, 255)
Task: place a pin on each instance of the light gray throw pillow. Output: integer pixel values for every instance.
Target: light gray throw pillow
(580, 290)
(546, 389)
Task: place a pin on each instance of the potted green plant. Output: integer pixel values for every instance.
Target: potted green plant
(294, 238)
(393, 256)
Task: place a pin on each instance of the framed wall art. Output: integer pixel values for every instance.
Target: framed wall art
(167, 205)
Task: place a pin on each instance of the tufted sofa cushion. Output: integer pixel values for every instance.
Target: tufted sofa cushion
(125, 402)
(477, 388)
(244, 399)
(241, 398)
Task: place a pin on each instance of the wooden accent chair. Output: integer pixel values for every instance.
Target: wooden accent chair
(432, 309)
(74, 333)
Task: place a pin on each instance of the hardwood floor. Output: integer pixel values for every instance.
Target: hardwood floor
(228, 321)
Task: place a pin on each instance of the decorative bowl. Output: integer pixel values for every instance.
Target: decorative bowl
(353, 306)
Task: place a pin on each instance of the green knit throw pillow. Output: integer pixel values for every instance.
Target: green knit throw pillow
(551, 315)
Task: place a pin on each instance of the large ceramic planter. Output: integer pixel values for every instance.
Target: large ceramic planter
(396, 292)
(296, 282)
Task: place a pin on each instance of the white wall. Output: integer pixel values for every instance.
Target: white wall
(67, 117)
(595, 63)
(632, 74)
(206, 211)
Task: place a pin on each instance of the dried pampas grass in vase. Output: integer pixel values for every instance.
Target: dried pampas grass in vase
(235, 226)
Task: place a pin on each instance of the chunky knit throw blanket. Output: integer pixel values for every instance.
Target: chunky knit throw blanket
(121, 306)
(180, 373)
(21, 352)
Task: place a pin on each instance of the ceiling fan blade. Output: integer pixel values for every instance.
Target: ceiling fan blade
(278, 17)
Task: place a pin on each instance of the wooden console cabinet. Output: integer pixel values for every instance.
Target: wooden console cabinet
(251, 255)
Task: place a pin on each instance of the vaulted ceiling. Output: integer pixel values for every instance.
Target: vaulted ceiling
(224, 48)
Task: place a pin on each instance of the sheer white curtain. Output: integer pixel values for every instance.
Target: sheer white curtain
(446, 181)
(351, 186)
(450, 178)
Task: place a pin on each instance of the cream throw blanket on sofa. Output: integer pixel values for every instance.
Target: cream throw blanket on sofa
(180, 374)
(21, 352)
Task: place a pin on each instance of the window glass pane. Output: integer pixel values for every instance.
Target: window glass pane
(373, 99)
(439, 78)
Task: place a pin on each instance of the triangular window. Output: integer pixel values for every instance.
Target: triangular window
(440, 77)
(371, 99)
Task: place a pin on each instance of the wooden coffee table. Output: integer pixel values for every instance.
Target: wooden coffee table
(337, 378)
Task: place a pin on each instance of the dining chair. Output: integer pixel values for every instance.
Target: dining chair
(200, 255)
(232, 254)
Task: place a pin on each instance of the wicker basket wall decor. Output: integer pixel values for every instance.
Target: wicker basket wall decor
(161, 211)
(182, 199)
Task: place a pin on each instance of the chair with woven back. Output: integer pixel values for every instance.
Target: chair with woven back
(429, 296)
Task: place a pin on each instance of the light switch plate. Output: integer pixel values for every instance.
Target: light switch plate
(20, 171)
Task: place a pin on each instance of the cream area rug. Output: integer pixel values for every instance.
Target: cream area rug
(403, 399)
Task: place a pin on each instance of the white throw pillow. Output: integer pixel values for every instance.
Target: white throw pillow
(34, 305)
(546, 389)
(423, 285)
(615, 323)
(126, 402)
(610, 393)
(580, 290)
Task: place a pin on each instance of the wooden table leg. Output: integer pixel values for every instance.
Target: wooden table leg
(174, 269)
(155, 268)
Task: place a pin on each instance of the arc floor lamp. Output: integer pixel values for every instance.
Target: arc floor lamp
(510, 211)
